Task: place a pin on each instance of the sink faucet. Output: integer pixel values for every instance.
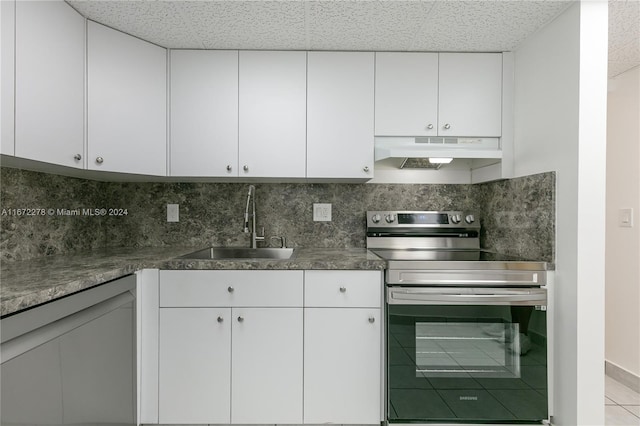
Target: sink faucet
(251, 200)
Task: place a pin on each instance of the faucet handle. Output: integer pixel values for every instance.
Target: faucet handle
(283, 241)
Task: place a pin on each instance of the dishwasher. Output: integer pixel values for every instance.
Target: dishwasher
(71, 361)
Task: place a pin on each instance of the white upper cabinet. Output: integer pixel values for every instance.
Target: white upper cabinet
(204, 113)
(7, 39)
(49, 82)
(340, 115)
(127, 103)
(406, 94)
(439, 94)
(272, 105)
(470, 94)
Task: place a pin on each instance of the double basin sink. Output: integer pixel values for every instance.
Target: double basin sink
(239, 253)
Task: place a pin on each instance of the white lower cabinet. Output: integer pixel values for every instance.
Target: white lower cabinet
(270, 357)
(194, 361)
(266, 366)
(343, 347)
(342, 368)
(240, 363)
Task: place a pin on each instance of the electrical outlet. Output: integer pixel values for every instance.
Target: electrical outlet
(321, 212)
(173, 213)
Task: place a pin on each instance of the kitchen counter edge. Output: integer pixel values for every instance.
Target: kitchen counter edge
(29, 283)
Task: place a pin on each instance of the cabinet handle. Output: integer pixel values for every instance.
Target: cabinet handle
(245, 168)
(240, 318)
(447, 126)
(366, 169)
(220, 319)
(343, 289)
(228, 167)
(99, 160)
(372, 320)
(230, 289)
(430, 126)
(77, 157)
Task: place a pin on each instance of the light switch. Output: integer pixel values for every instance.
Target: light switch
(173, 213)
(625, 218)
(321, 212)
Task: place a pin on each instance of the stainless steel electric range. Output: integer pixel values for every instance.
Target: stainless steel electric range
(466, 328)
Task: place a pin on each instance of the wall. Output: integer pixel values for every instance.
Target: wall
(560, 122)
(212, 213)
(622, 344)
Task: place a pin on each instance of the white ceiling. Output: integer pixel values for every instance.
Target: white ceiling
(397, 25)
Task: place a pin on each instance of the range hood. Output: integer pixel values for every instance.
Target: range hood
(436, 147)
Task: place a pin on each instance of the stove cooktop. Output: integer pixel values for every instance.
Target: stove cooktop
(443, 255)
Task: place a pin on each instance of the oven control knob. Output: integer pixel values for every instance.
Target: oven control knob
(469, 219)
(376, 218)
(390, 218)
(456, 218)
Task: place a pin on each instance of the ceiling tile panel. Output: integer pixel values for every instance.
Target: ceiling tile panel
(155, 21)
(624, 17)
(365, 25)
(421, 25)
(484, 25)
(247, 24)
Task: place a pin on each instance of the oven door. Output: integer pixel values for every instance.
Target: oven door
(463, 355)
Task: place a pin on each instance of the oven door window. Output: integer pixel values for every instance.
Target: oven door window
(466, 363)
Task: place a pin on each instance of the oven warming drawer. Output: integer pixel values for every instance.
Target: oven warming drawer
(466, 278)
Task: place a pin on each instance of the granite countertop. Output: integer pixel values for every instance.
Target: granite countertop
(29, 283)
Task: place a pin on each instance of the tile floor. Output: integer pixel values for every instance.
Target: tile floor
(622, 405)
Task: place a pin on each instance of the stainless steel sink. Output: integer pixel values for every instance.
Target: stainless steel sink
(213, 253)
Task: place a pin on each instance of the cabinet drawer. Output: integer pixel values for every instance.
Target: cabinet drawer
(343, 289)
(231, 288)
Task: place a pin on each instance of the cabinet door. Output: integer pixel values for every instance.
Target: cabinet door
(267, 365)
(340, 115)
(272, 118)
(194, 364)
(406, 94)
(7, 88)
(342, 367)
(49, 83)
(470, 94)
(204, 113)
(127, 103)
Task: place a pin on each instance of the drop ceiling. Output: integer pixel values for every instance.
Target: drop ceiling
(412, 25)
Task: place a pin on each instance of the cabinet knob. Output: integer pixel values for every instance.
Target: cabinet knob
(372, 320)
(230, 289)
(366, 169)
(240, 318)
(245, 168)
(343, 289)
(77, 157)
(228, 167)
(430, 126)
(220, 319)
(447, 126)
(99, 160)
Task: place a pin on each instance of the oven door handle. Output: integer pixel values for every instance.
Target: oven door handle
(467, 296)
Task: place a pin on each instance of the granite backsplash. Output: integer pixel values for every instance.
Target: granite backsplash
(518, 215)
